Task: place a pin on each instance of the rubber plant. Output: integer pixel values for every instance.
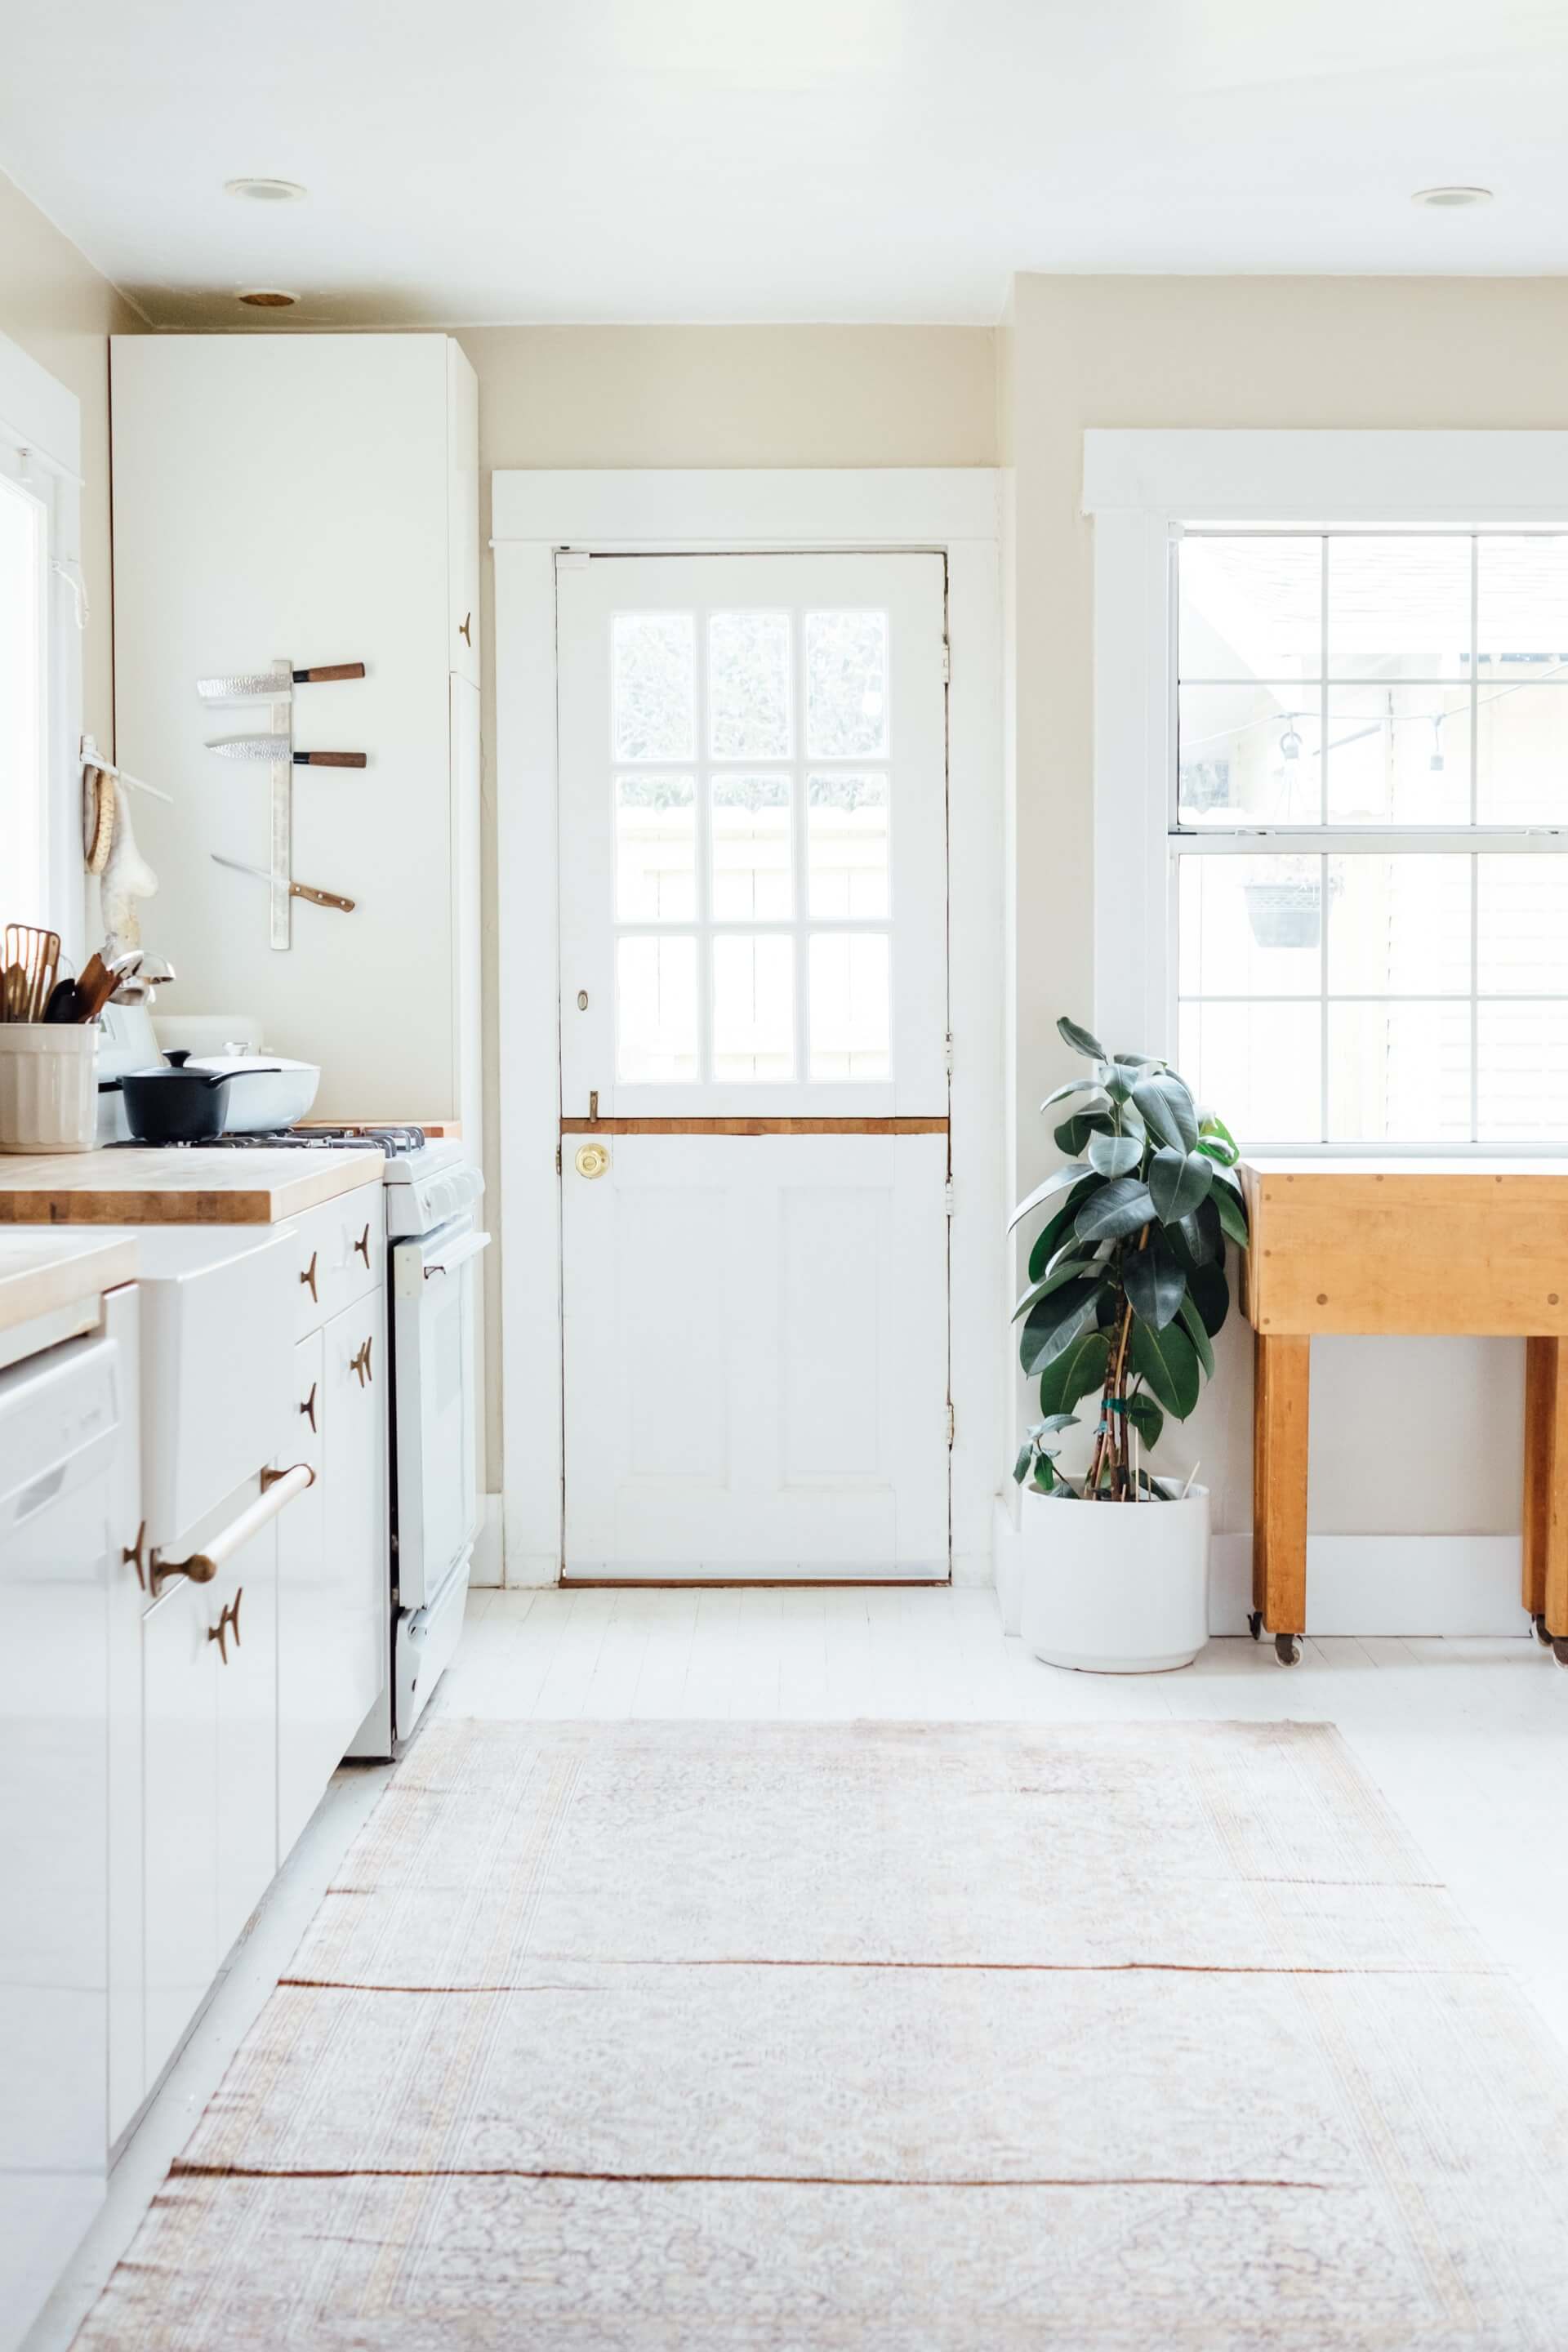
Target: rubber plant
(1127, 1276)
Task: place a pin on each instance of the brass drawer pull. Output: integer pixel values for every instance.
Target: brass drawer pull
(131, 1555)
(277, 1488)
(309, 1407)
(310, 1276)
(363, 1246)
(359, 1362)
(463, 632)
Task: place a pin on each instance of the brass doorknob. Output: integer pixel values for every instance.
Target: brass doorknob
(591, 1159)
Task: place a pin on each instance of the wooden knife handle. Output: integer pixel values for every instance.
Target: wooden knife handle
(329, 759)
(327, 671)
(320, 898)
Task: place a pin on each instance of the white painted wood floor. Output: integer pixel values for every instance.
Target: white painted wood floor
(1467, 1740)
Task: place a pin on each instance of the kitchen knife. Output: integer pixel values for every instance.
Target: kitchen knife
(272, 748)
(274, 684)
(296, 889)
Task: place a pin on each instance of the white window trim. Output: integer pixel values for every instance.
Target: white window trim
(40, 448)
(537, 515)
(1140, 486)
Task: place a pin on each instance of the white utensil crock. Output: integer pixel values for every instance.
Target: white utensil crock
(48, 1085)
(1116, 1587)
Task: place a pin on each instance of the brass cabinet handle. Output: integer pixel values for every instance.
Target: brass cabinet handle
(463, 632)
(131, 1555)
(363, 1246)
(197, 1570)
(277, 1488)
(227, 1620)
(310, 1276)
(309, 1407)
(360, 1362)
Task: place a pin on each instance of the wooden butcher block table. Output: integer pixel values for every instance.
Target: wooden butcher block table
(1450, 1247)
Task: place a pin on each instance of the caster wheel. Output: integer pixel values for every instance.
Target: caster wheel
(1542, 1636)
(1560, 1650)
(1255, 1623)
(1287, 1650)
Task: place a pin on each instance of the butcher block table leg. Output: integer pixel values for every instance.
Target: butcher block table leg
(1545, 1516)
(1280, 1405)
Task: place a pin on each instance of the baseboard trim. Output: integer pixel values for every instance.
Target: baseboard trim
(486, 1570)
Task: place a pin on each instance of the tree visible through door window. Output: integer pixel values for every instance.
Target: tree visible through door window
(1371, 812)
(754, 797)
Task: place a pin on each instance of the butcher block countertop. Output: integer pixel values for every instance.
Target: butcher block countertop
(42, 1272)
(128, 1185)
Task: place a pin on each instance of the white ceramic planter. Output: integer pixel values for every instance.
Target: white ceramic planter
(1116, 1587)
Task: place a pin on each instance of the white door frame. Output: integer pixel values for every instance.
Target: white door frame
(954, 513)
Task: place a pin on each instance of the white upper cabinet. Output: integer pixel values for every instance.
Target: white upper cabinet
(313, 498)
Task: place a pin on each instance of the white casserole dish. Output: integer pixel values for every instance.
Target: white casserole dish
(266, 1093)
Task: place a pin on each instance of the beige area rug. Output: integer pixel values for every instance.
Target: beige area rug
(873, 2038)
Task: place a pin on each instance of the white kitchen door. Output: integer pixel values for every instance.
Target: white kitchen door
(754, 1088)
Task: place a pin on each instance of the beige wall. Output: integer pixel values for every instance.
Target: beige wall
(1409, 1436)
(55, 304)
(667, 397)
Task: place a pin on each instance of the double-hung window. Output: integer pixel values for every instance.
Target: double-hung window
(1368, 831)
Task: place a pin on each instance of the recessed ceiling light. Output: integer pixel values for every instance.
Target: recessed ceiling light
(1451, 199)
(266, 192)
(267, 297)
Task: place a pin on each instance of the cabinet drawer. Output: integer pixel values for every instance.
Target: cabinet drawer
(339, 1254)
(217, 1349)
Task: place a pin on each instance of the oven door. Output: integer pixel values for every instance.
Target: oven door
(434, 1405)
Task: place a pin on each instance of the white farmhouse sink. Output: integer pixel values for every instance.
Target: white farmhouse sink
(217, 1345)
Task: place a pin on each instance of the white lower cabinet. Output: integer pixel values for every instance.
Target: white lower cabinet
(333, 1580)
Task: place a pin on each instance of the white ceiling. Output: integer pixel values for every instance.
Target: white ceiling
(505, 160)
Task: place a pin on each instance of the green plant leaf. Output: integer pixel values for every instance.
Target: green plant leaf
(1168, 1364)
(1045, 1476)
(1154, 1282)
(1076, 1373)
(1056, 1322)
(1167, 1107)
(1021, 1467)
(1136, 1061)
(1178, 1181)
(1052, 1279)
(1114, 1155)
(1193, 1324)
(1049, 1236)
(1058, 1177)
(1076, 1131)
(1146, 1417)
(1080, 1039)
(1232, 1215)
(1210, 1294)
(1052, 1423)
(1118, 1208)
(1096, 1098)
(1216, 1140)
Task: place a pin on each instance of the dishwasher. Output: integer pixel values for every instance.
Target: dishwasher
(60, 1421)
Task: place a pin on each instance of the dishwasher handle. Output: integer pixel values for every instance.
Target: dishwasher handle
(278, 1489)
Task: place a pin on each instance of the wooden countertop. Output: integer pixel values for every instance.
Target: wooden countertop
(40, 1273)
(128, 1185)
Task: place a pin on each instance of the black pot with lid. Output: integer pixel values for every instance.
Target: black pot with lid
(169, 1104)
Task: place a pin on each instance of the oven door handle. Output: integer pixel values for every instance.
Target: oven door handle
(459, 1254)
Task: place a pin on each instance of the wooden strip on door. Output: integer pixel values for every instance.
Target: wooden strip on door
(753, 1126)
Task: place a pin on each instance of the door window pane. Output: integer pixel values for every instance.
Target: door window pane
(1521, 749)
(1522, 600)
(1399, 1073)
(754, 1007)
(1521, 920)
(655, 686)
(846, 686)
(1399, 607)
(850, 1005)
(1251, 926)
(655, 1009)
(1399, 927)
(1257, 1065)
(656, 849)
(1248, 755)
(751, 849)
(749, 686)
(847, 843)
(1399, 754)
(1250, 607)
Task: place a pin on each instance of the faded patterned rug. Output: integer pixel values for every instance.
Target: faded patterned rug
(873, 2038)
